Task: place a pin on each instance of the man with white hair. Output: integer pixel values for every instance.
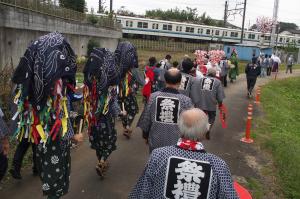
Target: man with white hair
(186, 170)
(159, 120)
(206, 93)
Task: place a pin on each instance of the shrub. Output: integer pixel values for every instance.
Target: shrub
(92, 44)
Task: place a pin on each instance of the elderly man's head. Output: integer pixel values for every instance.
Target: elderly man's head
(193, 124)
(173, 78)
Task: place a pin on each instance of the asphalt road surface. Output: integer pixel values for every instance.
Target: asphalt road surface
(128, 161)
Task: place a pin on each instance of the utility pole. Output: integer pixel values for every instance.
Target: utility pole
(275, 16)
(111, 6)
(225, 13)
(243, 24)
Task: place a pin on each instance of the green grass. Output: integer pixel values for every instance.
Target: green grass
(256, 188)
(279, 132)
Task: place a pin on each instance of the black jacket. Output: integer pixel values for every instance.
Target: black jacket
(252, 70)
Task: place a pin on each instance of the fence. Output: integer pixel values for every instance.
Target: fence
(52, 9)
(166, 45)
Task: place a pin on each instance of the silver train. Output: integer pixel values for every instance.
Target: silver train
(161, 28)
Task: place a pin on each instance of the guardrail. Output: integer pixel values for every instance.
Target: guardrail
(52, 9)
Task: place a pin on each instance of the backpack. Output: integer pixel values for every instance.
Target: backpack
(147, 89)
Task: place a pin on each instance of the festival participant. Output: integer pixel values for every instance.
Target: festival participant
(289, 66)
(233, 71)
(185, 169)
(166, 63)
(42, 77)
(276, 64)
(186, 80)
(269, 69)
(264, 66)
(252, 72)
(175, 64)
(207, 93)
(103, 72)
(160, 117)
(224, 71)
(127, 98)
(152, 78)
(4, 146)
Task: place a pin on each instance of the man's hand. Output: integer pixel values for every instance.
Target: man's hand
(78, 137)
(5, 146)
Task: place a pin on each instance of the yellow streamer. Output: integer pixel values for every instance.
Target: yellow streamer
(64, 123)
(41, 132)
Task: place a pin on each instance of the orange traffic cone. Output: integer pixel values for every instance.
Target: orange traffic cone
(247, 138)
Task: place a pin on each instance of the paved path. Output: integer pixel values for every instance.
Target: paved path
(128, 161)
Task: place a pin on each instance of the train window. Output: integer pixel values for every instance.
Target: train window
(280, 39)
(217, 32)
(225, 33)
(142, 25)
(129, 23)
(234, 34)
(178, 28)
(155, 26)
(167, 27)
(208, 31)
(251, 36)
(200, 31)
(189, 29)
(268, 38)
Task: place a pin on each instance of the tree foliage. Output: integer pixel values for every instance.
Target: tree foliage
(187, 15)
(77, 5)
(282, 26)
(92, 43)
(287, 26)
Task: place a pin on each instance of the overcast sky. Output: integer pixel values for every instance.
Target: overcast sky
(289, 10)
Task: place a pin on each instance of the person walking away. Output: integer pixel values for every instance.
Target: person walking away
(234, 70)
(159, 120)
(269, 69)
(206, 94)
(252, 72)
(128, 89)
(185, 169)
(224, 71)
(187, 79)
(275, 67)
(264, 66)
(290, 64)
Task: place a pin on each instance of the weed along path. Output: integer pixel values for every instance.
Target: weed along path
(128, 161)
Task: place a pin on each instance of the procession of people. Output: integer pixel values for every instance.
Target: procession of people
(180, 105)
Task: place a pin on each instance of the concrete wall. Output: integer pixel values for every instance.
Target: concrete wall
(18, 27)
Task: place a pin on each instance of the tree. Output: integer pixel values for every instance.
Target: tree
(102, 7)
(124, 12)
(77, 5)
(287, 26)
